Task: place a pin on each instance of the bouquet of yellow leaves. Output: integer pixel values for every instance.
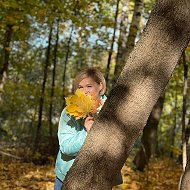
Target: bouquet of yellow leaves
(80, 105)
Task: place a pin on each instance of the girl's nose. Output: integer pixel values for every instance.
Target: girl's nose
(86, 91)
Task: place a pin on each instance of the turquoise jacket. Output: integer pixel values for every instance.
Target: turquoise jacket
(71, 135)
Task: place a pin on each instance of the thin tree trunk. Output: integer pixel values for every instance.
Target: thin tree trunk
(67, 54)
(65, 64)
(149, 138)
(187, 132)
(53, 80)
(184, 125)
(6, 53)
(134, 27)
(42, 96)
(130, 102)
(139, 6)
(173, 132)
(112, 43)
(120, 59)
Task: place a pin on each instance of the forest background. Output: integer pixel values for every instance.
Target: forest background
(44, 44)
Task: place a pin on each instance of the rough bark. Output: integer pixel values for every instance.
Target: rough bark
(130, 102)
(185, 181)
(149, 138)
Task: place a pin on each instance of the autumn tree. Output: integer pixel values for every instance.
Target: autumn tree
(126, 43)
(125, 113)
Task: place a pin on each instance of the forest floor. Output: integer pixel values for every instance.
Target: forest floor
(161, 174)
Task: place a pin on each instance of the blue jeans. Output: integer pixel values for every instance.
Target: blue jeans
(58, 184)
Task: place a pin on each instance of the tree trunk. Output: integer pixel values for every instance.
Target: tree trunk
(173, 132)
(185, 182)
(75, 10)
(120, 59)
(6, 53)
(134, 27)
(149, 138)
(125, 112)
(38, 131)
(65, 63)
(53, 80)
(112, 43)
(183, 121)
(187, 133)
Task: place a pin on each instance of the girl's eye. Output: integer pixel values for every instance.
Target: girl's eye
(89, 86)
(80, 87)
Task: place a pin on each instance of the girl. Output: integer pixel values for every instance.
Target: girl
(71, 132)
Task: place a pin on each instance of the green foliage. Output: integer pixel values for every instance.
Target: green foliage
(92, 22)
(172, 112)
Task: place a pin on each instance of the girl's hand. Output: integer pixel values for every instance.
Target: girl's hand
(88, 123)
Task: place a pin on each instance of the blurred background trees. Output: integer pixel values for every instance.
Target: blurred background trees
(43, 46)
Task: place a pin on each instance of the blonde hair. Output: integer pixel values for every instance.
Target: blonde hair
(93, 73)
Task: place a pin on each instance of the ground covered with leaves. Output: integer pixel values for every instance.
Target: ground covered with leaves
(161, 174)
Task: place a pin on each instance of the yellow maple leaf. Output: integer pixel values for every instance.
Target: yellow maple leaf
(80, 105)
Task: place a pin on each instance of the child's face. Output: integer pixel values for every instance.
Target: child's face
(90, 87)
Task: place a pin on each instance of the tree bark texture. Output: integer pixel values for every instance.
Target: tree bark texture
(149, 138)
(185, 181)
(130, 102)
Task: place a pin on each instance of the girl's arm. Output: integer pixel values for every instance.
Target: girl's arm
(70, 137)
